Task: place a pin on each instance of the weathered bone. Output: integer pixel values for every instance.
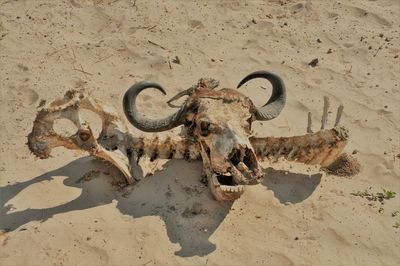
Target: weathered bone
(339, 115)
(202, 83)
(43, 138)
(217, 131)
(320, 148)
(309, 123)
(324, 120)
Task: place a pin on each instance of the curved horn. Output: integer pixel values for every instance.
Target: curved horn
(276, 102)
(145, 124)
(179, 95)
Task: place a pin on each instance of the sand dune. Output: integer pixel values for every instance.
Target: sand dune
(49, 215)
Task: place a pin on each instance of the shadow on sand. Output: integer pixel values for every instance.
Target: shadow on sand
(170, 194)
(290, 187)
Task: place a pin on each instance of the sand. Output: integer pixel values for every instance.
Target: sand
(299, 215)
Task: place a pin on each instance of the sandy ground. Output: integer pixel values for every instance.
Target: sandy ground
(297, 216)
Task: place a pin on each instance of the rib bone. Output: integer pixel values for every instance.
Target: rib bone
(309, 123)
(325, 114)
(339, 115)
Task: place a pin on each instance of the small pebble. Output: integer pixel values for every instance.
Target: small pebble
(313, 62)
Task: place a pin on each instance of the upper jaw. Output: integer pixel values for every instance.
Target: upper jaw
(227, 178)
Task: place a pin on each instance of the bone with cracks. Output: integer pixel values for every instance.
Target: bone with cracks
(216, 129)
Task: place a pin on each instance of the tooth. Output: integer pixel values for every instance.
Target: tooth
(277, 155)
(237, 176)
(241, 166)
(291, 153)
(224, 188)
(215, 181)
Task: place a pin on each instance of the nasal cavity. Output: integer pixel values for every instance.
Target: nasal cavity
(234, 156)
(249, 159)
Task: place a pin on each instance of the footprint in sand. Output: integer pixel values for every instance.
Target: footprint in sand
(297, 8)
(26, 96)
(196, 24)
(361, 13)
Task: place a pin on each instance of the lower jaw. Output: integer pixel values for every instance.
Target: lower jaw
(224, 192)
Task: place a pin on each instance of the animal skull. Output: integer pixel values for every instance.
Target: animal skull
(220, 122)
(217, 130)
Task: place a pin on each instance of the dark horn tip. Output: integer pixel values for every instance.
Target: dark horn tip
(259, 74)
(139, 120)
(276, 102)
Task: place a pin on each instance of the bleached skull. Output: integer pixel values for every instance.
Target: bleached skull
(220, 122)
(216, 129)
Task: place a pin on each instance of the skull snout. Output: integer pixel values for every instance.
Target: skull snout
(243, 157)
(245, 165)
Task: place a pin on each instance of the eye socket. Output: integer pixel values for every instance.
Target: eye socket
(204, 125)
(204, 128)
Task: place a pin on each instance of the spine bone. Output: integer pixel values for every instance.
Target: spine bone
(322, 147)
(167, 148)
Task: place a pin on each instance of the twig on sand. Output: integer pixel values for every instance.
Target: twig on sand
(98, 61)
(145, 27)
(351, 67)
(169, 63)
(380, 47)
(83, 71)
(113, 2)
(134, 5)
(56, 51)
(158, 45)
(73, 53)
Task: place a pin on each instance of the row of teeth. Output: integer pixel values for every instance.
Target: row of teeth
(238, 188)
